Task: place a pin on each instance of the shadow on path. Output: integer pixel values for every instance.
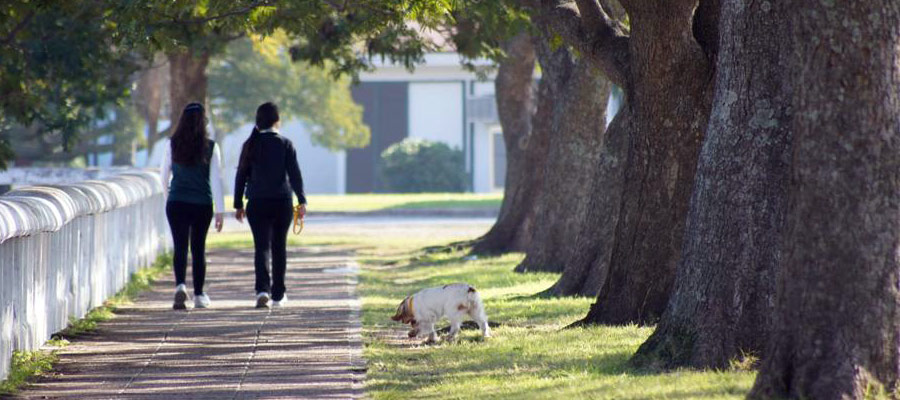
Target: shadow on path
(312, 348)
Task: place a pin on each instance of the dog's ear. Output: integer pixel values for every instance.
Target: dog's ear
(401, 311)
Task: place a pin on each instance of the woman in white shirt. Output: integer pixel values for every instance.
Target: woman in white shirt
(193, 162)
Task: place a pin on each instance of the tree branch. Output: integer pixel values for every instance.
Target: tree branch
(15, 31)
(232, 13)
(592, 33)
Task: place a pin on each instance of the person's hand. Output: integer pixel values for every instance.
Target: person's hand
(220, 219)
(302, 210)
(239, 215)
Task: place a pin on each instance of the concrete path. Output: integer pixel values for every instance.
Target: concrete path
(310, 349)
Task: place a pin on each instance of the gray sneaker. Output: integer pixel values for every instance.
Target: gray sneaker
(201, 301)
(262, 300)
(181, 296)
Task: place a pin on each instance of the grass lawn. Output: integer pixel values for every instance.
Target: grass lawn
(392, 201)
(530, 355)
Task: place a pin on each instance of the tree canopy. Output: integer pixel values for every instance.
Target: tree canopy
(65, 65)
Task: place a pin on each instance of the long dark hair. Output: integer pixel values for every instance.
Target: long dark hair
(190, 138)
(266, 117)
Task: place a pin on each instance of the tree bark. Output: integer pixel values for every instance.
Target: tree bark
(148, 98)
(514, 91)
(838, 305)
(587, 264)
(723, 299)
(187, 81)
(669, 97)
(578, 125)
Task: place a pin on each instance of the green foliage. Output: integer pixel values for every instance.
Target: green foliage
(59, 66)
(346, 35)
(481, 27)
(416, 165)
(6, 153)
(245, 76)
(26, 365)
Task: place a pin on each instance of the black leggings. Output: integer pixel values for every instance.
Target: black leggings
(189, 221)
(270, 220)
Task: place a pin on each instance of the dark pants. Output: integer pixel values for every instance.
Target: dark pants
(270, 220)
(189, 222)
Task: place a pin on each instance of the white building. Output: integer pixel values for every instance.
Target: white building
(439, 101)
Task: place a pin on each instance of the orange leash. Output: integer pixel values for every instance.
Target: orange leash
(298, 220)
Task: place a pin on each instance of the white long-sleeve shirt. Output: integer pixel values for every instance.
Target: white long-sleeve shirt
(215, 175)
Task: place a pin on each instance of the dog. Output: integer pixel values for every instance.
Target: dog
(423, 309)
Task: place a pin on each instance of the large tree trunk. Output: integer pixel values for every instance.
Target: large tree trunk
(723, 300)
(838, 304)
(187, 81)
(588, 262)
(578, 124)
(525, 146)
(669, 97)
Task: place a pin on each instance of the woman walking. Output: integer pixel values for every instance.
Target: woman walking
(192, 160)
(268, 170)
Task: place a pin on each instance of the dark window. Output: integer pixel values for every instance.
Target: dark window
(385, 111)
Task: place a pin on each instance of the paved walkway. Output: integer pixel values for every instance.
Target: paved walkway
(310, 349)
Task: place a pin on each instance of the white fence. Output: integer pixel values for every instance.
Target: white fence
(64, 249)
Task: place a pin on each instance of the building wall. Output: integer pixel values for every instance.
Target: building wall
(436, 112)
(385, 111)
(483, 180)
(322, 169)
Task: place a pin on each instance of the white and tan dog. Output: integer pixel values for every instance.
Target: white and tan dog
(425, 308)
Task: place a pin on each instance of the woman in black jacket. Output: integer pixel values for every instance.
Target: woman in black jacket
(268, 170)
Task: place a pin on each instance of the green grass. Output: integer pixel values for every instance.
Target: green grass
(26, 365)
(30, 364)
(530, 355)
(390, 201)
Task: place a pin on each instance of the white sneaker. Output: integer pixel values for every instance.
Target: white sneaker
(279, 303)
(181, 296)
(201, 301)
(262, 300)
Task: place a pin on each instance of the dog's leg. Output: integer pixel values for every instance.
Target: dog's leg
(455, 325)
(480, 318)
(432, 335)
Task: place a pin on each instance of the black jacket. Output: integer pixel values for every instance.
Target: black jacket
(272, 171)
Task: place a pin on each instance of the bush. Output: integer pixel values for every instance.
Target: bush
(416, 165)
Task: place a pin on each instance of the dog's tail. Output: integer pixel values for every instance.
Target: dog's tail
(475, 303)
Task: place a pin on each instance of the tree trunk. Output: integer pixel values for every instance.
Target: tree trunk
(723, 299)
(838, 305)
(514, 91)
(578, 125)
(187, 81)
(124, 154)
(669, 97)
(587, 264)
(148, 99)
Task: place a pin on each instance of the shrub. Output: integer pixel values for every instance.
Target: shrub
(416, 165)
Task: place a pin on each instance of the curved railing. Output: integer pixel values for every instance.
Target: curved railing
(64, 249)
